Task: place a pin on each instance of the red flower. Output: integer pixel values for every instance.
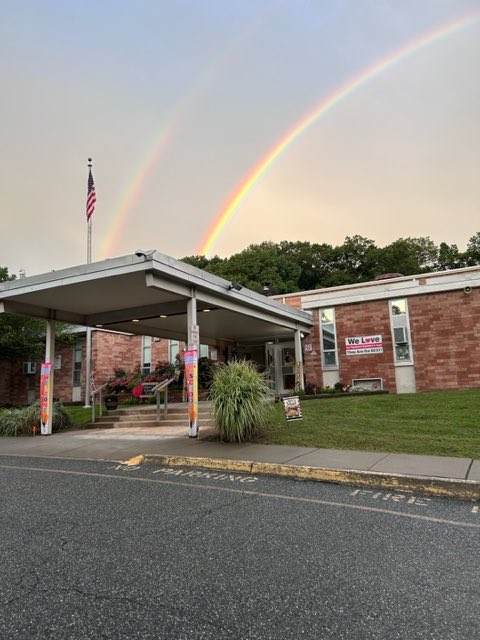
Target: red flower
(137, 391)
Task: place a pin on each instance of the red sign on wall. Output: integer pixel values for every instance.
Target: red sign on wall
(360, 345)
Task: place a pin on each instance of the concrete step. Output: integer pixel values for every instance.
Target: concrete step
(100, 425)
(132, 417)
(146, 424)
(153, 411)
(162, 423)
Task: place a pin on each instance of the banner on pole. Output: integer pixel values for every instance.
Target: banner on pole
(190, 358)
(45, 382)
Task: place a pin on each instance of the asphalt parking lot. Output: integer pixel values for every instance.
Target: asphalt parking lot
(99, 549)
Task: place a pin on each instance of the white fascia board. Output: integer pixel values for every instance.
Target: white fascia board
(215, 291)
(177, 269)
(423, 284)
(282, 317)
(466, 271)
(33, 311)
(72, 275)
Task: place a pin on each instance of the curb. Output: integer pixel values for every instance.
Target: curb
(450, 488)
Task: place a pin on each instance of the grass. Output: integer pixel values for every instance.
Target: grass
(80, 415)
(441, 423)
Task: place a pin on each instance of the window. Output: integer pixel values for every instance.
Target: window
(77, 365)
(174, 349)
(146, 353)
(203, 351)
(328, 338)
(400, 331)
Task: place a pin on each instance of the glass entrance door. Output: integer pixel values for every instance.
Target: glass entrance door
(280, 366)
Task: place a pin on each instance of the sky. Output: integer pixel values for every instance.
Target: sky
(179, 102)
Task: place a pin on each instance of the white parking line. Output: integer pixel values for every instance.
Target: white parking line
(259, 494)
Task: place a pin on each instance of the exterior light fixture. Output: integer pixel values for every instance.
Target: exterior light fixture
(135, 320)
(163, 315)
(206, 310)
(141, 253)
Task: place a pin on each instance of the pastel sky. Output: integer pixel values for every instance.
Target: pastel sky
(176, 101)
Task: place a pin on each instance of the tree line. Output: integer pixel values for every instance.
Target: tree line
(275, 268)
(286, 267)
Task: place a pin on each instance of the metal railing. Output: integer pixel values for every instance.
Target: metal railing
(162, 386)
(98, 391)
(97, 394)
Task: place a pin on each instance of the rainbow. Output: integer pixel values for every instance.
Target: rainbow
(328, 103)
(122, 212)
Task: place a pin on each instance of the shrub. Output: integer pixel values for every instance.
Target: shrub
(239, 395)
(20, 421)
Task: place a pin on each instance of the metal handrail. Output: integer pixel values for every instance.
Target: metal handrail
(92, 395)
(162, 386)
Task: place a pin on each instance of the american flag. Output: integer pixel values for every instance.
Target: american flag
(91, 196)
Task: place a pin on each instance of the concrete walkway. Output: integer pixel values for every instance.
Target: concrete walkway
(455, 477)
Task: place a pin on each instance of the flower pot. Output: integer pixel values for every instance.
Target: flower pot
(111, 402)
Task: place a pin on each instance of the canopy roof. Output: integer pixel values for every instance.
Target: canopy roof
(146, 294)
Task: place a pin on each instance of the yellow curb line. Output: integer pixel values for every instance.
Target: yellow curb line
(133, 462)
(463, 489)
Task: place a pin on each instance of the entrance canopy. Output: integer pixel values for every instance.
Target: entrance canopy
(148, 294)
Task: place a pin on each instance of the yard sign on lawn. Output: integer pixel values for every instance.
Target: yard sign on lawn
(292, 408)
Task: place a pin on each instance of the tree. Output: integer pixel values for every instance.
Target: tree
(449, 257)
(472, 254)
(316, 262)
(355, 261)
(25, 337)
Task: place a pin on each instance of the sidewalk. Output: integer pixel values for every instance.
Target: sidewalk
(453, 477)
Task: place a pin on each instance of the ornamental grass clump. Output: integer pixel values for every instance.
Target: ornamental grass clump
(239, 395)
(19, 422)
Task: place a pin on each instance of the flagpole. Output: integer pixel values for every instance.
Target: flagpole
(88, 351)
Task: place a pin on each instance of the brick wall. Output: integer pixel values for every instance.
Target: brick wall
(312, 356)
(366, 319)
(63, 377)
(292, 301)
(6, 369)
(112, 351)
(445, 331)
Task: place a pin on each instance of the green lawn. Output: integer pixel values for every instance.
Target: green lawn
(444, 423)
(80, 415)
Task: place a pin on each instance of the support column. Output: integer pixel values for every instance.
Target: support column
(299, 381)
(191, 365)
(192, 327)
(88, 367)
(46, 382)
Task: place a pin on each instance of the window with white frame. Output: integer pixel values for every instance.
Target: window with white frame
(328, 338)
(146, 354)
(173, 350)
(401, 331)
(77, 365)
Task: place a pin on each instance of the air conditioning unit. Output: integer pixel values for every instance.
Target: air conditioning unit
(400, 335)
(29, 367)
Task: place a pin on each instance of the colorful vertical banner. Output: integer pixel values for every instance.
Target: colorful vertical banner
(190, 358)
(45, 382)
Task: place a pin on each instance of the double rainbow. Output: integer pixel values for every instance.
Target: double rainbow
(328, 103)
